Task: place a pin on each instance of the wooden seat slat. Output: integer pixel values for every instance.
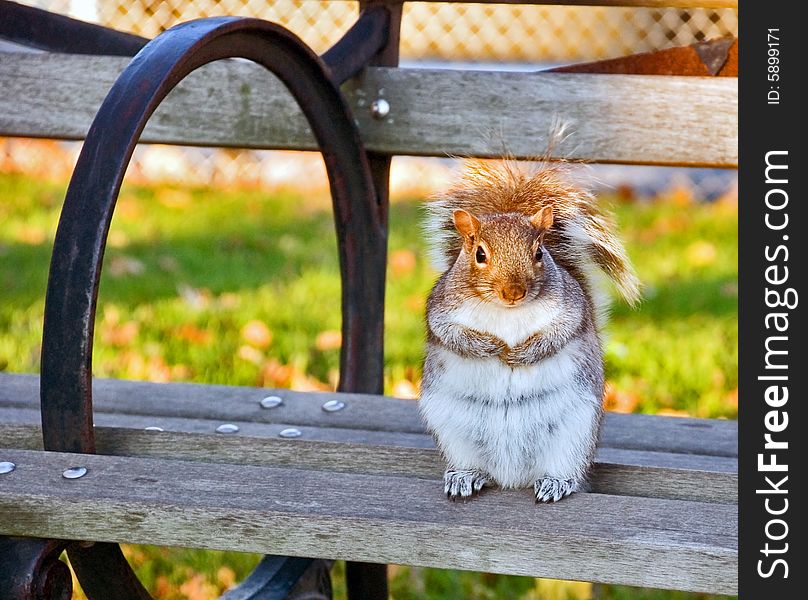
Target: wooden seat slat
(617, 472)
(403, 520)
(616, 118)
(364, 413)
(28, 416)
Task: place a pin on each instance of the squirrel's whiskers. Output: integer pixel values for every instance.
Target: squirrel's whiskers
(513, 376)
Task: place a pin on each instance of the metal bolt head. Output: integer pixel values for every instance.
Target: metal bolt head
(153, 428)
(74, 472)
(227, 428)
(7, 467)
(271, 402)
(379, 108)
(333, 405)
(290, 432)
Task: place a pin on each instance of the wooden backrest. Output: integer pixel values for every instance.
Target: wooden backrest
(632, 119)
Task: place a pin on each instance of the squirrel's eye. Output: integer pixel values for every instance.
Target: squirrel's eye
(538, 254)
(480, 256)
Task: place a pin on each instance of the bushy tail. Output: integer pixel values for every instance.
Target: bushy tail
(583, 237)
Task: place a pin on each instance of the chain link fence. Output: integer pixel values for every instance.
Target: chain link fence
(433, 34)
(452, 31)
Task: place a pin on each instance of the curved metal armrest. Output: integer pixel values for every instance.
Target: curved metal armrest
(70, 305)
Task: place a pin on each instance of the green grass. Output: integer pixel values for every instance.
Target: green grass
(242, 288)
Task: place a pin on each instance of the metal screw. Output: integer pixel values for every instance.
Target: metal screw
(74, 472)
(290, 432)
(227, 428)
(7, 467)
(333, 405)
(379, 108)
(153, 428)
(271, 402)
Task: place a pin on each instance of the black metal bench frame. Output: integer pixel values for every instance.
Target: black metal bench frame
(359, 190)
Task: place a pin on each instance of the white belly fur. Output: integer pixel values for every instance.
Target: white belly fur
(515, 424)
(510, 324)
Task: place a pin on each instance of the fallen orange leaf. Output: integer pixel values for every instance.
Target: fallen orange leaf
(274, 374)
(328, 340)
(732, 398)
(416, 303)
(304, 383)
(31, 235)
(191, 333)
(257, 334)
(405, 389)
(617, 400)
(119, 335)
(198, 588)
(226, 577)
(402, 262)
(251, 354)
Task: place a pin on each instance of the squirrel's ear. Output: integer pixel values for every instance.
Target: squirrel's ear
(466, 223)
(543, 219)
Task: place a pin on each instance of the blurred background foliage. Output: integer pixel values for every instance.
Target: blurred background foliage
(207, 285)
(241, 286)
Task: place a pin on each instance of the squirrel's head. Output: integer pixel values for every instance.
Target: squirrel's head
(503, 255)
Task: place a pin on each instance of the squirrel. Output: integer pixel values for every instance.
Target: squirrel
(513, 383)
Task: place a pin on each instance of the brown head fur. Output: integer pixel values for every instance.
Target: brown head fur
(502, 199)
(504, 262)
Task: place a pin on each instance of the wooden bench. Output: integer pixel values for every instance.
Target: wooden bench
(362, 484)
(358, 479)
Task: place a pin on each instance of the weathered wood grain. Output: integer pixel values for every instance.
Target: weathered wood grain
(616, 472)
(217, 403)
(714, 437)
(160, 402)
(615, 118)
(403, 520)
(707, 485)
(28, 416)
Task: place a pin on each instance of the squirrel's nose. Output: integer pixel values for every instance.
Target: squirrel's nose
(513, 292)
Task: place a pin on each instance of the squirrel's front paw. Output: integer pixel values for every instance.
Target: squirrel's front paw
(462, 484)
(551, 489)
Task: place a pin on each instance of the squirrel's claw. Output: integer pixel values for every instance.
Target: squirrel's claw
(551, 489)
(462, 484)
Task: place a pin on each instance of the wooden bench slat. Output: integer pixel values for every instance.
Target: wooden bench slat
(632, 119)
(713, 437)
(637, 541)
(219, 403)
(616, 118)
(616, 472)
(28, 416)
